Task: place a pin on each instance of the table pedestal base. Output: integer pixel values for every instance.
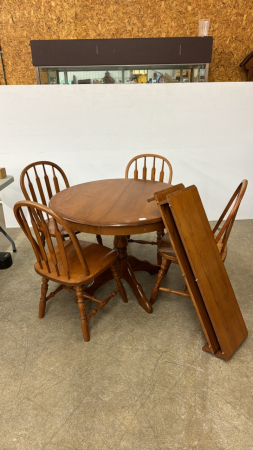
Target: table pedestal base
(127, 265)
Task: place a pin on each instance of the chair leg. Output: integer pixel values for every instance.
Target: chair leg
(43, 298)
(160, 234)
(118, 281)
(159, 259)
(84, 320)
(99, 239)
(164, 269)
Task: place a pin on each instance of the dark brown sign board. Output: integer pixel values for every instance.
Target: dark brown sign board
(123, 51)
(208, 269)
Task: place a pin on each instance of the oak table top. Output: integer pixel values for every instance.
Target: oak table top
(116, 207)
(110, 207)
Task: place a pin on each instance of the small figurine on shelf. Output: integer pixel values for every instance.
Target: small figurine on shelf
(108, 79)
(142, 78)
(134, 79)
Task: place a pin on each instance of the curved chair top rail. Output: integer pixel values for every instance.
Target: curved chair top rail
(153, 170)
(31, 171)
(234, 204)
(58, 259)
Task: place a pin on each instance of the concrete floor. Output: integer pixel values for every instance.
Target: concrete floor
(141, 383)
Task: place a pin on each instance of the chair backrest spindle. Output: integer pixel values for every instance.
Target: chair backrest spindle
(39, 185)
(24, 225)
(47, 182)
(153, 171)
(56, 184)
(36, 223)
(31, 188)
(144, 174)
(136, 171)
(61, 248)
(162, 173)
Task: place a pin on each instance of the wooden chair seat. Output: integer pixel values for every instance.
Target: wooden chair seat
(70, 263)
(98, 259)
(166, 250)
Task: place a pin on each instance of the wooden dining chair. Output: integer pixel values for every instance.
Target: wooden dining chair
(70, 263)
(139, 165)
(221, 233)
(41, 180)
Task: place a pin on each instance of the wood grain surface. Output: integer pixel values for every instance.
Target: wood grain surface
(114, 207)
(208, 268)
(162, 199)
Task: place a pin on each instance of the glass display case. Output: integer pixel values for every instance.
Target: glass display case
(123, 75)
(122, 61)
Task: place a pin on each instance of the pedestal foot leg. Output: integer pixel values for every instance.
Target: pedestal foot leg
(128, 275)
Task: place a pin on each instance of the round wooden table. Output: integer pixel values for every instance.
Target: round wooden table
(116, 207)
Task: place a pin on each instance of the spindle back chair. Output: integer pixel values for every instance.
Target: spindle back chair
(35, 184)
(163, 162)
(221, 234)
(71, 263)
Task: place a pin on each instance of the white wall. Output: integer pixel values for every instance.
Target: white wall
(91, 131)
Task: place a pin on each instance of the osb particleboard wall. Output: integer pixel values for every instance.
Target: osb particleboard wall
(22, 21)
